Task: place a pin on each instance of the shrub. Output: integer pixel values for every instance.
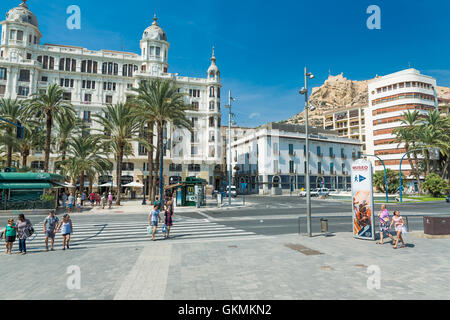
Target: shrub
(435, 185)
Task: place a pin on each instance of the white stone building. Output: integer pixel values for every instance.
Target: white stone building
(273, 157)
(389, 97)
(93, 79)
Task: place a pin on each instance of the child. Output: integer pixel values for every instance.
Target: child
(79, 203)
(10, 235)
(399, 223)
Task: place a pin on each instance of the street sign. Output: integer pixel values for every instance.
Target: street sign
(362, 200)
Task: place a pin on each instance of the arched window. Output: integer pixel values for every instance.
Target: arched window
(211, 91)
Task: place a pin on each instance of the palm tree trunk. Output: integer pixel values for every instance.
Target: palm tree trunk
(48, 133)
(9, 150)
(63, 151)
(427, 160)
(81, 182)
(151, 195)
(119, 174)
(25, 155)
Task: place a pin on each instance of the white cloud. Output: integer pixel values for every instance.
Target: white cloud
(254, 115)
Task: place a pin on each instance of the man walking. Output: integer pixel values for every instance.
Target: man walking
(50, 224)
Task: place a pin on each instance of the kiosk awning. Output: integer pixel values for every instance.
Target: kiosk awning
(24, 185)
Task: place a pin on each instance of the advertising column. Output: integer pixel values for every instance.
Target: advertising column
(362, 200)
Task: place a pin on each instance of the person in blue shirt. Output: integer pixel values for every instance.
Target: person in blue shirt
(153, 220)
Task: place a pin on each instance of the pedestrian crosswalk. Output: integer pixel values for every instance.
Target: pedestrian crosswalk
(117, 233)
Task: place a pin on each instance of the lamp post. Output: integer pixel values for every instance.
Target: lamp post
(230, 99)
(304, 91)
(385, 174)
(163, 147)
(144, 201)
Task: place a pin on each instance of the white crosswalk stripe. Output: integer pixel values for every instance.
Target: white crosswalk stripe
(94, 234)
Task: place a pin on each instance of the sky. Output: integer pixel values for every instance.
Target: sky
(262, 47)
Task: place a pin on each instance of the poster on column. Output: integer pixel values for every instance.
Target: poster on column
(362, 200)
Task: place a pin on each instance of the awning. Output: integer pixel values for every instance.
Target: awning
(173, 186)
(24, 185)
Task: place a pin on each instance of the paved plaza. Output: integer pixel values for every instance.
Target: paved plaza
(224, 256)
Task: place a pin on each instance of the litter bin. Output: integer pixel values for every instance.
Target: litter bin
(436, 225)
(323, 225)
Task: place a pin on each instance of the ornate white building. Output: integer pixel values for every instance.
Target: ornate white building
(93, 79)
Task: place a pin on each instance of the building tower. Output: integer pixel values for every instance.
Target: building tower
(154, 49)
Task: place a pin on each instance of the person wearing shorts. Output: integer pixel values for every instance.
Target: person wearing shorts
(10, 235)
(385, 229)
(66, 230)
(50, 225)
(153, 220)
(398, 221)
(71, 202)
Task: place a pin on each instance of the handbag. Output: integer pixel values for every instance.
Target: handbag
(164, 229)
(404, 231)
(149, 230)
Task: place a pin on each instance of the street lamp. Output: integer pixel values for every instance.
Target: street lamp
(385, 174)
(304, 91)
(163, 147)
(228, 106)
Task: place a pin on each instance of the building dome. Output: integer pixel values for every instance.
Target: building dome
(22, 14)
(154, 32)
(213, 70)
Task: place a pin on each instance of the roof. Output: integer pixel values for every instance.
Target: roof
(29, 176)
(297, 128)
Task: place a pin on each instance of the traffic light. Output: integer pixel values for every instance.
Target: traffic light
(19, 131)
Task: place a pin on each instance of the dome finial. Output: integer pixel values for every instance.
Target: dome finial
(24, 3)
(155, 19)
(213, 57)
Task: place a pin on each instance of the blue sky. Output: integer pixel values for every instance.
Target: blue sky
(263, 46)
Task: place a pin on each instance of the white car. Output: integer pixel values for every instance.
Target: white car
(313, 193)
(233, 192)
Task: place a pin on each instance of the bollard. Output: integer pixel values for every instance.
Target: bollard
(407, 225)
(299, 230)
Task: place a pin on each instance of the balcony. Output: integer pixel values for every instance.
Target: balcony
(319, 154)
(343, 156)
(332, 156)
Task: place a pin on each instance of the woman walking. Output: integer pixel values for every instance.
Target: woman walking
(10, 235)
(383, 217)
(79, 203)
(23, 232)
(168, 217)
(397, 219)
(110, 200)
(153, 220)
(66, 230)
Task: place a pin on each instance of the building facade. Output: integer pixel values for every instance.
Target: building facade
(348, 123)
(93, 79)
(389, 97)
(271, 159)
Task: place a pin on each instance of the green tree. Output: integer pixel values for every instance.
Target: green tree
(67, 126)
(33, 138)
(393, 181)
(435, 185)
(408, 135)
(160, 102)
(86, 155)
(49, 105)
(13, 111)
(120, 124)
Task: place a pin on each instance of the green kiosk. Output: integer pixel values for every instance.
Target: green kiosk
(23, 190)
(188, 191)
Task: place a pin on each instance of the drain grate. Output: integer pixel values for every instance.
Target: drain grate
(305, 250)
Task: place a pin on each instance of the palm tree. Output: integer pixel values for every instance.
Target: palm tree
(120, 124)
(66, 128)
(86, 155)
(408, 135)
(50, 105)
(160, 103)
(33, 138)
(11, 110)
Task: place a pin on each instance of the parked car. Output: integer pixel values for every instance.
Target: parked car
(313, 193)
(448, 198)
(323, 192)
(233, 191)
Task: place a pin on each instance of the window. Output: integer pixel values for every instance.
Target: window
(211, 121)
(211, 91)
(318, 152)
(23, 91)
(142, 150)
(193, 150)
(109, 99)
(67, 96)
(87, 97)
(24, 75)
(291, 166)
(39, 165)
(2, 89)
(343, 167)
(211, 105)
(12, 35)
(127, 166)
(158, 51)
(193, 167)
(87, 116)
(319, 167)
(195, 105)
(331, 152)
(19, 35)
(3, 74)
(331, 168)
(291, 149)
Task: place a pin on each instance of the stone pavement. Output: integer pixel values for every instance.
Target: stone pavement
(282, 267)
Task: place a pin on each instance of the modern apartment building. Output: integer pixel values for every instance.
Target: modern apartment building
(93, 79)
(347, 122)
(271, 159)
(389, 97)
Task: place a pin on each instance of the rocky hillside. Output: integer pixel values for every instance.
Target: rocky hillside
(338, 92)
